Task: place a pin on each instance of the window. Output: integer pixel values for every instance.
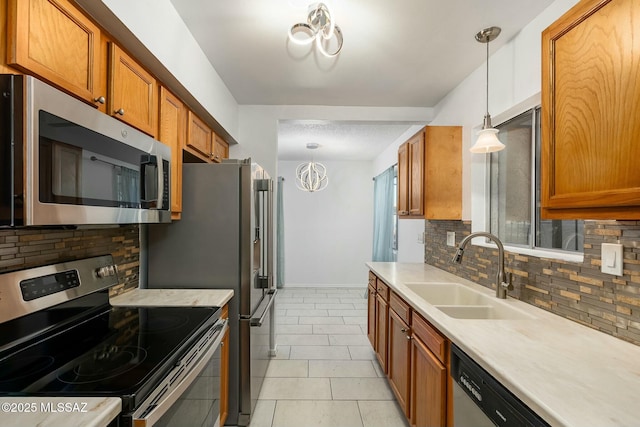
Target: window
(514, 191)
(395, 209)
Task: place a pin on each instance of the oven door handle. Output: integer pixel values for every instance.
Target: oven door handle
(151, 411)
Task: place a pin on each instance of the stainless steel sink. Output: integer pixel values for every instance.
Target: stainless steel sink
(448, 294)
(461, 302)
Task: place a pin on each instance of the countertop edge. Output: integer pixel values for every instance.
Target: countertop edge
(172, 298)
(59, 411)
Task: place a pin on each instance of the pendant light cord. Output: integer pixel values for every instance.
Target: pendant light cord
(487, 98)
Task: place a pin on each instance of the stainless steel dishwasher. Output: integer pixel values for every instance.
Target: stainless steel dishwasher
(479, 400)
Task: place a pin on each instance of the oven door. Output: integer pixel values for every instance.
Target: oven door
(190, 393)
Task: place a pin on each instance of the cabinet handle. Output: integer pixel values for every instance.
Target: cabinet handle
(99, 100)
(409, 337)
(119, 112)
(404, 331)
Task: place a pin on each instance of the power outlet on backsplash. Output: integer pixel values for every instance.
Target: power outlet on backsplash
(451, 238)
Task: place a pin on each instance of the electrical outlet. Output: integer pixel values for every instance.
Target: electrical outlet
(611, 258)
(451, 238)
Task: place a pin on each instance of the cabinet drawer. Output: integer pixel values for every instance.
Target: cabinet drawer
(400, 307)
(429, 336)
(383, 289)
(372, 279)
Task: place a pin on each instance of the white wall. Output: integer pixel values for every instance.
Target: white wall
(329, 233)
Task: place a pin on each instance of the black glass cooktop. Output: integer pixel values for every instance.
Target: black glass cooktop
(117, 352)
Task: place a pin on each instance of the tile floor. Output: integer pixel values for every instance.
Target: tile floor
(325, 373)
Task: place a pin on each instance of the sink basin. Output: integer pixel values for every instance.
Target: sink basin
(489, 312)
(461, 302)
(448, 294)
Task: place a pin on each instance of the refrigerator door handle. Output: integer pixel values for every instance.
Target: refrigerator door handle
(257, 321)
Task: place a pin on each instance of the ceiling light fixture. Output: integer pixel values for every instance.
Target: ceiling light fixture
(319, 27)
(311, 176)
(487, 141)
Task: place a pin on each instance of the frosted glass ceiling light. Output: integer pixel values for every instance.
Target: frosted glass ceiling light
(487, 141)
(319, 27)
(311, 176)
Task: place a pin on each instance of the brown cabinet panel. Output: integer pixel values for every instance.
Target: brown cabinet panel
(172, 131)
(590, 112)
(53, 40)
(401, 308)
(382, 324)
(371, 315)
(428, 388)
(199, 136)
(443, 172)
(416, 174)
(403, 180)
(399, 359)
(220, 149)
(132, 92)
(436, 343)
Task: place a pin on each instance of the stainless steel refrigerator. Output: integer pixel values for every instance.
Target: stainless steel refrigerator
(225, 240)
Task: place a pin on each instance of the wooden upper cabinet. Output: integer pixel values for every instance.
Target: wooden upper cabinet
(430, 174)
(132, 92)
(403, 179)
(172, 131)
(443, 172)
(416, 174)
(591, 112)
(220, 149)
(53, 40)
(199, 137)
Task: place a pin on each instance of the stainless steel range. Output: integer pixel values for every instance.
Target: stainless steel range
(60, 337)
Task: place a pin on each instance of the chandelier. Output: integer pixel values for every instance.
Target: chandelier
(319, 27)
(487, 141)
(311, 176)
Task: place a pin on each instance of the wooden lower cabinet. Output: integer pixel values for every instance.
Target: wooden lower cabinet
(413, 354)
(399, 359)
(382, 322)
(371, 315)
(428, 396)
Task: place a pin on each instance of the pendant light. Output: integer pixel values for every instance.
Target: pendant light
(487, 141)
(311, 176)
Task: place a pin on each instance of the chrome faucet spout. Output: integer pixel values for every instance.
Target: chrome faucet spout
(503, 281)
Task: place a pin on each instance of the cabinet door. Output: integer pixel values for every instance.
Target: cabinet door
(382, 322)
(199, 136)
(590, 112)
(52, 39)
(172, 131)
(220, 149)
(399, 359)
(403, 179)
(132, 92)
(371, 315)
(428, 400)
(416, 174)
(443, 172)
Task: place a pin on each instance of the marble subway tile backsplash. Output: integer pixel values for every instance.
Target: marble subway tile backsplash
(25, 248)
(577, 291)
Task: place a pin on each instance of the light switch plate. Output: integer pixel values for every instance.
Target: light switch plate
(611, 258)
(420, 238)
(451, 238)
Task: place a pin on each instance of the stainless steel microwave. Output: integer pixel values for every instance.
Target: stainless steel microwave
(62, 162)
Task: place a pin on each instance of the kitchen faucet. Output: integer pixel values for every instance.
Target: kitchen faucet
(503, 281)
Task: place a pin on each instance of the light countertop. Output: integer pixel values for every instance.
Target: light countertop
(567, 373)
(173, 298)
(58, 411)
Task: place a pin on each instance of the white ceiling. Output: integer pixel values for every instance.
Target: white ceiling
(406, 53)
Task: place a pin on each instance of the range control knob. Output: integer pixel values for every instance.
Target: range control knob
(106, 271)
